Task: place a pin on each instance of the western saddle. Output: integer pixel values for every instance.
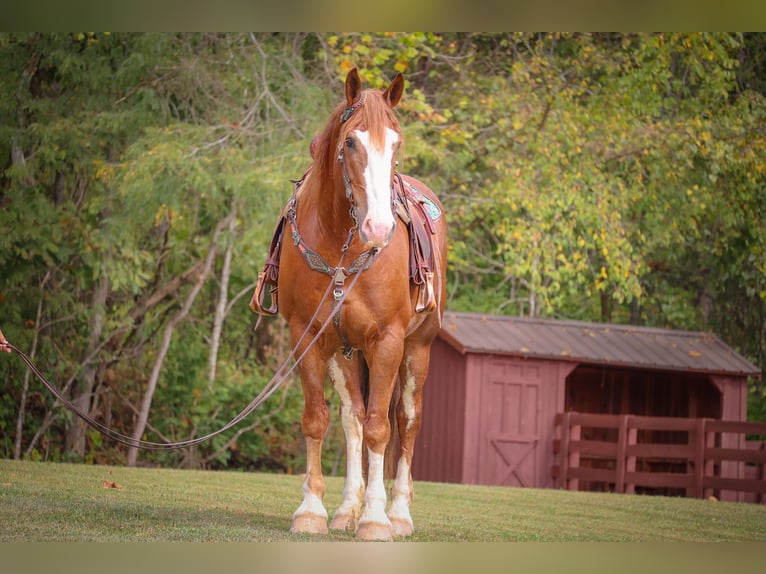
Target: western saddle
(412, 207)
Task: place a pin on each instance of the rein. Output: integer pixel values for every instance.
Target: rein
(276, 381)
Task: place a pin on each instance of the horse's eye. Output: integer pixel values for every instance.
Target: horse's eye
(349, 143)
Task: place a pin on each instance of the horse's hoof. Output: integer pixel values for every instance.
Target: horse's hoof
(371, 531)
(309, 524)
(345, 522)
(401, 527)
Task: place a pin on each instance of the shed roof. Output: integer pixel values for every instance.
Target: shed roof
(594, 343)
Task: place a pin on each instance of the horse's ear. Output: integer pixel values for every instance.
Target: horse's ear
(395, 90)
(353, 86)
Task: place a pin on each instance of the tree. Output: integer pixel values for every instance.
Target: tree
(134, 147)
(611, 177)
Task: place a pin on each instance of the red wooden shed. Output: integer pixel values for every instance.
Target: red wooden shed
(497, 383)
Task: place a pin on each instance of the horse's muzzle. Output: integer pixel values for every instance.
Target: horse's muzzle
(375, 234)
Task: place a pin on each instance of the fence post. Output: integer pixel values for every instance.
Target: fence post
(732, 439)
(621, 460)
(697, 439)
(561, 422)
(630, 461)
(564, 451)
(709, 465)
(574, 458)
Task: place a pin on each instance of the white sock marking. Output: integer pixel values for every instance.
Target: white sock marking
(352, 427)
(401, 495)
(311, 504)
(375, 499)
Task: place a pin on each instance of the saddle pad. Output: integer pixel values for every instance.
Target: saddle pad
(429, 206)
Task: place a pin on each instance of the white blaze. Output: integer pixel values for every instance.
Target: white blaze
(379, 220)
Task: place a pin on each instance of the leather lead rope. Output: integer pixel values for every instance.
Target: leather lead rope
(276, 381)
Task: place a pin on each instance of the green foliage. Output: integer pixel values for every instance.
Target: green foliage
(590, 176)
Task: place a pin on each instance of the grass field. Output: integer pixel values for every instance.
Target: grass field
(80, 503)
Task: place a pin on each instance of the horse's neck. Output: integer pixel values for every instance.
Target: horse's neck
(323, 202)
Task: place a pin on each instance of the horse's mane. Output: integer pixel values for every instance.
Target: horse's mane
(374, 115)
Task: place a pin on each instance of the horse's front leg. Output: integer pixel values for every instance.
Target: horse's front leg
(383, 360)
(311, 515)
(345, 377)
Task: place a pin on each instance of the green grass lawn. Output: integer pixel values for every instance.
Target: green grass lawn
(70, 503)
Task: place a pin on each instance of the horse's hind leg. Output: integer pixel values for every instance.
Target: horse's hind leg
(311, 515)
(345, 377)
(412, 376)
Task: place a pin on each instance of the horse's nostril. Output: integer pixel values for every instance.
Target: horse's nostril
(376, 234)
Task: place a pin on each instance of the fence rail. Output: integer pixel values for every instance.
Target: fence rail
(700, 458)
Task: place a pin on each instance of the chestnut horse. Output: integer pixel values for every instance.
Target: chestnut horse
(343, 209)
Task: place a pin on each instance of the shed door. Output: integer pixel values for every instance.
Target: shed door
(510, 414)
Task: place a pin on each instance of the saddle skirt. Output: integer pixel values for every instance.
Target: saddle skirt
(418, 212)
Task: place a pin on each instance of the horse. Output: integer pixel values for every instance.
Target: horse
(345, 208)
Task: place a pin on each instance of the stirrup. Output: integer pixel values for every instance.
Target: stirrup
(426, 298)
(259, 296)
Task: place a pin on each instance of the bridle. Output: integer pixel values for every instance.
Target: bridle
(316, 262)
(347, 184)
(344, 117)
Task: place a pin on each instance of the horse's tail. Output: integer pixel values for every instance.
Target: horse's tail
(389, 464)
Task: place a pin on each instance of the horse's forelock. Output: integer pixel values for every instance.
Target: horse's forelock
(374, 116)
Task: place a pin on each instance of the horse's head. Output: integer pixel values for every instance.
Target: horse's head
(367, 147)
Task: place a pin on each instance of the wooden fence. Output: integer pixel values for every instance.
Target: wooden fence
(699, 458)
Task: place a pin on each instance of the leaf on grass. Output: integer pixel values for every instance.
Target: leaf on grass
(112, 484)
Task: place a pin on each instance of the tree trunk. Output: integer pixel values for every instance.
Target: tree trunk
(533, 286)
(25, 385)
(83, 389)
(220, 310)
(146, 403)
(115, 341)
(606, 306)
